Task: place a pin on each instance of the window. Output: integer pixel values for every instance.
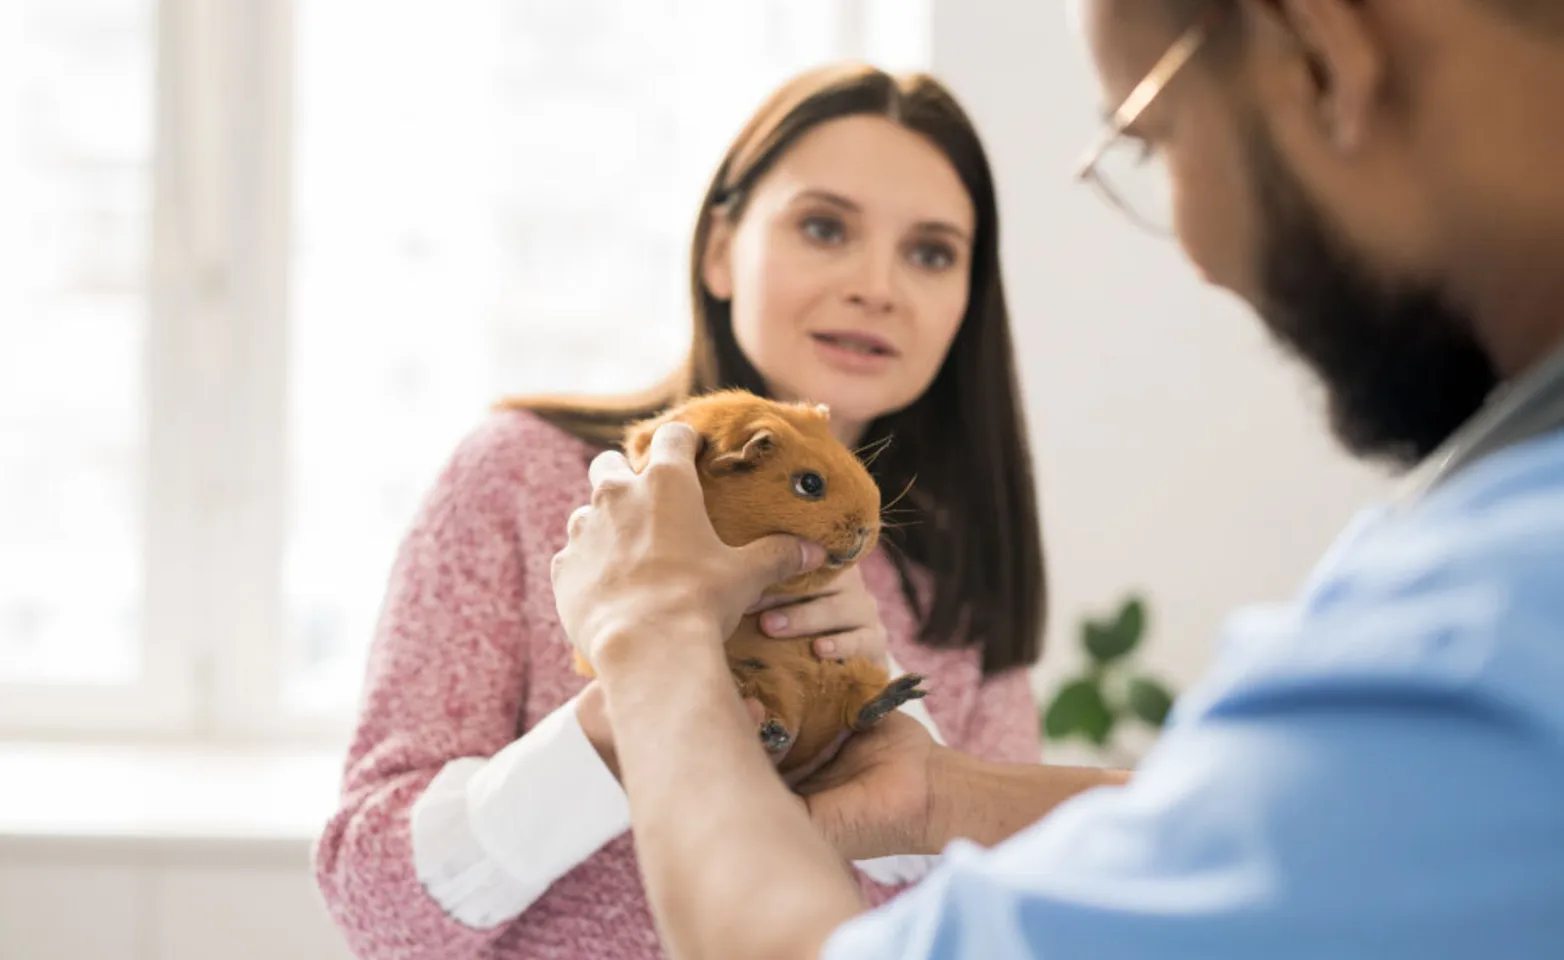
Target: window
(272, 261)
(76, 147)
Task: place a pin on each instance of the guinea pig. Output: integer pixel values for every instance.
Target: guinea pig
(768, 467)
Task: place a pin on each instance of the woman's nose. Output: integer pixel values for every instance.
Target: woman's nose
(873, 284)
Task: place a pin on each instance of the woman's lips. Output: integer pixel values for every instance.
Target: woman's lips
(854, 351)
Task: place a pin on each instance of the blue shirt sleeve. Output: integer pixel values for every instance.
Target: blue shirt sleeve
(1386, 783)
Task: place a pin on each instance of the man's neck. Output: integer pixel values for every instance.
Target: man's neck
(1528, 404)
(1519, 303)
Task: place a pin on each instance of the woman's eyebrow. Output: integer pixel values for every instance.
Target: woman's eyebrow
(836, 199)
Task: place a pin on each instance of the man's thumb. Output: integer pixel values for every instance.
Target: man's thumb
(778, 557)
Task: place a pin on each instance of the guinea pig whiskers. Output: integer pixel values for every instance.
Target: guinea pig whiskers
(870, 452)
(900, 496)
(874, 445)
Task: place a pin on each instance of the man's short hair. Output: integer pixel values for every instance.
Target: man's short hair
(1547, 15)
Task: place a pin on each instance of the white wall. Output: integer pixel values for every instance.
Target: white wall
(1179, 452)
(106, 901)
(137, 853)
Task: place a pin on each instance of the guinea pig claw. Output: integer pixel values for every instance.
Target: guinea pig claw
(774, 737)
(893, 696)
(898, 692)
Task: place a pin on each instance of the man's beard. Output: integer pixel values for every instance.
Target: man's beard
(1402, 368)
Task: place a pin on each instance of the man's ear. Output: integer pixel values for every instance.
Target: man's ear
(758, 445)
(1332, 57)
(717, 258)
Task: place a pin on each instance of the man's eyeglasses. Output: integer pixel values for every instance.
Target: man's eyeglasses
(1125, 169)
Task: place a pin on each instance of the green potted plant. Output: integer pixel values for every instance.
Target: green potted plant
(1111, 693)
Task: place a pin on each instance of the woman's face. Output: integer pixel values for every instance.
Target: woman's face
(848, 270)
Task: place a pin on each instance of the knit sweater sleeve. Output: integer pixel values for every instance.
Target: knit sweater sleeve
(442, 833)
(1004, 725)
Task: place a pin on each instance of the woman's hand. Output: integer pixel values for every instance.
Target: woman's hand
(847, 614)
(644, 565)
(876, 797)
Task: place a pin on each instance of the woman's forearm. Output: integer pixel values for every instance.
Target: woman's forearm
(988, 802)
(716, 830)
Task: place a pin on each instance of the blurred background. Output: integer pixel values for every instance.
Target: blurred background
(262, 262)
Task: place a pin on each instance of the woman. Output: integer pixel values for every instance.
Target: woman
(846, 252)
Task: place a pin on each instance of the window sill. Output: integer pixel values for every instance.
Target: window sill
(149, 802)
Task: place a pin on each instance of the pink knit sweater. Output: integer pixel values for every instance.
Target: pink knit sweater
(475, 820)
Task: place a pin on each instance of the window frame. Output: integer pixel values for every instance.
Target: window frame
(215, 376)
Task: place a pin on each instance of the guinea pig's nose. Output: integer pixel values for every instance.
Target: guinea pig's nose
(863, 538)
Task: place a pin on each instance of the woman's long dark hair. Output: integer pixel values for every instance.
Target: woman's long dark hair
(971, 518)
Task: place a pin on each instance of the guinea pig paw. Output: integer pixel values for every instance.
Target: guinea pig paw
(898, 692)
(774, 737)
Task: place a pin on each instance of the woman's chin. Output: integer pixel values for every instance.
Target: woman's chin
(852, 398)
(854, 403)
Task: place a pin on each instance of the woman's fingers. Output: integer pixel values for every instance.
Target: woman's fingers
(832, 642)
(868, 643)
(845, 623)
(834, 611)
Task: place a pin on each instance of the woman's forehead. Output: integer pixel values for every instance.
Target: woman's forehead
(873, 161)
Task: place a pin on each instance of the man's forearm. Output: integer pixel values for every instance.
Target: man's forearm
(733, 866)
(988, 802)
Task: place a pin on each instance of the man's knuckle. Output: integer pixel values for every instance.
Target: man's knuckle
(607, 492)
(604, 460)
(662, 471)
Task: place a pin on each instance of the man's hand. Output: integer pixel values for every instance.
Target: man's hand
(643, 557)
(876, 797)
(892, 789)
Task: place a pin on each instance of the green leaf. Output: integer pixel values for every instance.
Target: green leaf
(1079, 708)
(1132, 619)
(1149, 700)
(1100, 728)
(1107, 642)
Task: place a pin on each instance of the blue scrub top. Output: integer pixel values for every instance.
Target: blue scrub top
(1376, 770)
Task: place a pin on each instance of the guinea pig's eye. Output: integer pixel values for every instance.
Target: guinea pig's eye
(809, 485)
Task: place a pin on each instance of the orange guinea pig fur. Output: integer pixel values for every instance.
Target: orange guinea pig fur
(768, 467)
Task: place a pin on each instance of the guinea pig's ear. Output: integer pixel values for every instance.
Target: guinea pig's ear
(757, 446)
(638, 439)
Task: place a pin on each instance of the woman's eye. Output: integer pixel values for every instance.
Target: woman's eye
(824, 229)
(933, 256)
(809, 485)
